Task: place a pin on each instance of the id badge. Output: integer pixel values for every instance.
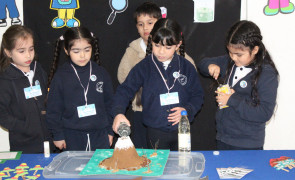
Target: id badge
(167, 99)
(86, 110)
(32, 91)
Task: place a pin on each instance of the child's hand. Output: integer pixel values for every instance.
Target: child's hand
(222, 98)
(60, 144)
(118, 119)
(176, 115)
(214, 70)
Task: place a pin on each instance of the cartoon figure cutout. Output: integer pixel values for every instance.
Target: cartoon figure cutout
(117, 6)
(66, 11)
(275, 6)
(13, 13)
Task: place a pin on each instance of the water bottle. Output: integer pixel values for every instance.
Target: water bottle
(184, 135)
(124, 130)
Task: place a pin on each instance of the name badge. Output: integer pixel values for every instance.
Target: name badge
(86, 110)
(32, 91)
(167, 99)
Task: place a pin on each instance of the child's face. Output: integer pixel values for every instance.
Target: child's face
(164, 52)
(23, 53)
(80, 52)
(242, 56)
(145, 24)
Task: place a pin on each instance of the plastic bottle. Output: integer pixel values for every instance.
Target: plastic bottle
(184, 135)
(124, 130)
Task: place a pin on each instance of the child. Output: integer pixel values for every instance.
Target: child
(23, 91)
(253, 78)
(80, 95)
(162, 73)
(145, 16)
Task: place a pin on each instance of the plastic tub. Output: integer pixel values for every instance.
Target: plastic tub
(179, 166)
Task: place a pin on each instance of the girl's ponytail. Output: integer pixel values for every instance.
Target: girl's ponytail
(182, 46)
(55, 61)
(96, 50)
(149, 47)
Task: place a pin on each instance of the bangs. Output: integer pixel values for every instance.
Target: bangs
(164, 37)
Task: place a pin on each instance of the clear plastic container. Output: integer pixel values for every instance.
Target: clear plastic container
(179, 166)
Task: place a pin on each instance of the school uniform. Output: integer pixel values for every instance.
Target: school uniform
(145, 74)
(66, 94)
(24, 118)
(242, 124)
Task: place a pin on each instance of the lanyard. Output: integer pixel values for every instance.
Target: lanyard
(85, 91)
(163, 76)
(31, 82)
(230, 74)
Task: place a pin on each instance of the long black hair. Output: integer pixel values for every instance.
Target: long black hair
(166, 32)
(246, 34)
(69, 38)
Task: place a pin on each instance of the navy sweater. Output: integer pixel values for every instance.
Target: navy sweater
(24, 118)
(242, 124)
(66, 94)
(146, 75)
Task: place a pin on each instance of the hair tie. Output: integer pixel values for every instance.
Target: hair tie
(163, 12)
(61, 38)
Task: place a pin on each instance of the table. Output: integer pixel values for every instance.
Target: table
(250, 159)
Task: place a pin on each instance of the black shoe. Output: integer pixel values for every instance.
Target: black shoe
(3, 23)
(16, 21)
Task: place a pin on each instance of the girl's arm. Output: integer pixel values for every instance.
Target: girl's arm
(108, 95)
(6, 119)
(215, 62)
(196, 92)
(267, 92)
(55, 108)
(126, 91)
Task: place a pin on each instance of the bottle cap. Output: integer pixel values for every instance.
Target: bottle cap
(124, 130)
(184, 113)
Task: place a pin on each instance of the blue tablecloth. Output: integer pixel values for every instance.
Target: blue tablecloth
(251, 159)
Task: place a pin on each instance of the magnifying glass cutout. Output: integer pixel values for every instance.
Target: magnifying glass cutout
(117, 6)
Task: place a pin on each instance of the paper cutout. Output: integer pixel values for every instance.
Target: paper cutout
(7, 170)
(66, 13)
(282, 163)
(36, 168)
(13, 178)
(273, 7)
(232, 173)
(2, 175)
(117, 6)
(21, 171)
(33, 177)
(22, 166)
(11, 7)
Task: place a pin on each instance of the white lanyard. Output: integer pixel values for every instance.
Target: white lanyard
(85, 91)
(230, 74)
(31, 82)
(163, 76)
